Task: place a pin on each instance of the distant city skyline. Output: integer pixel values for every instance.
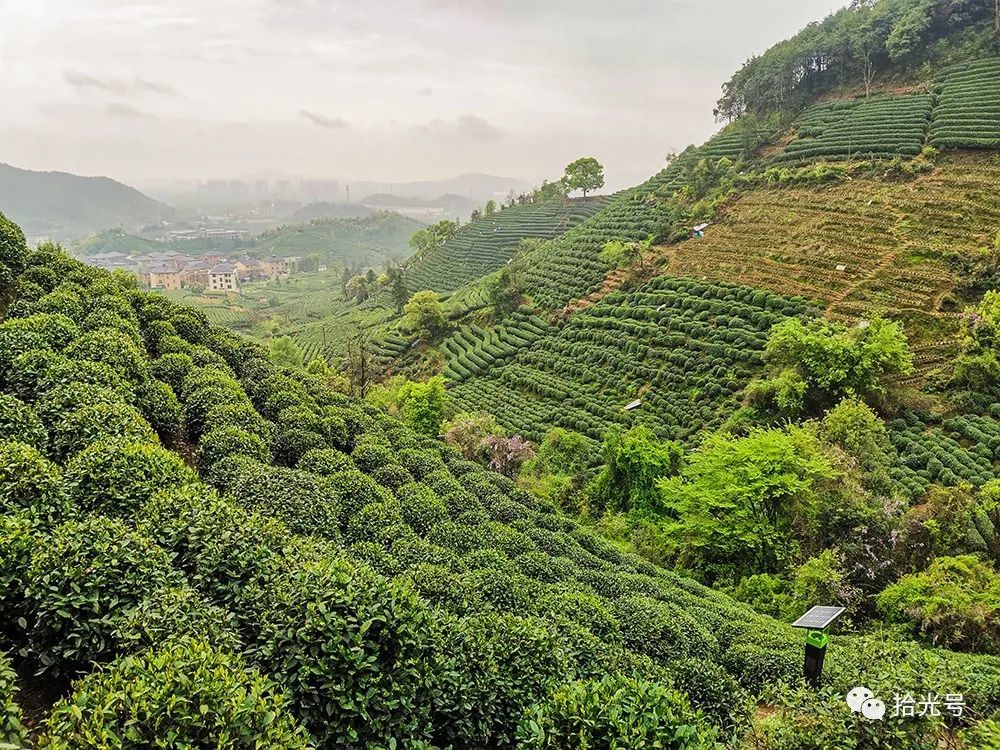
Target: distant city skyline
(389, 91)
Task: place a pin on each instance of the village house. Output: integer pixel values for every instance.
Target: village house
(224, 278)
(273, 267)
(163, 276)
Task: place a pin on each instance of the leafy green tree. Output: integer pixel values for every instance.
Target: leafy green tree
(468, 432)
(741, 504)
(491, 208)
(623, 254)
(425, 314)
(584, 174)
(423, 405)
(852, 426)
(955, 603)
(285, 352)
(634, 462)
(818, 363)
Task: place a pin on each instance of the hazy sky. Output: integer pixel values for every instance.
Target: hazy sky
(383, 89)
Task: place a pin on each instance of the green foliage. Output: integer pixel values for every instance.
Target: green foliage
(285, 352)
(17, 542)
(115, 478)
(12, 731)
(87, 425)
(113, 348)
(854, 427)
(634, 462)
(954, 603)
(30, 483)
(183, 694)
(615, 712)
(222, 442)
(819, 363)
(84, 580)
(302, 501)
(423, 405)
(350, 648)
(176, 613)
(425, 315)
(586, 174)
(19, 422)
(741, 504)
(467, 433)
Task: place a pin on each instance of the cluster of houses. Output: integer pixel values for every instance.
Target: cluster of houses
(212, 272)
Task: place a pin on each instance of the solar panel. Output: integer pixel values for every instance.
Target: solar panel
(818, 618)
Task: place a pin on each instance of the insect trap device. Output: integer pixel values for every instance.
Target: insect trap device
(815, 622)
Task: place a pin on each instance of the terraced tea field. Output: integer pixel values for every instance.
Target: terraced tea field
(860, 247)
(483, 246)
(570, 267)
(682, 347)
(963, 449)
(879, 127)
(967, 114)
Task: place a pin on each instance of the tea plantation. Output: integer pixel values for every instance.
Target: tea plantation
(481, 247)
(967, 114)
(315, 574)
(684, 348)
(880, 126)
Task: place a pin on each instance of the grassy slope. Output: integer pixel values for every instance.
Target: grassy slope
(890, 236)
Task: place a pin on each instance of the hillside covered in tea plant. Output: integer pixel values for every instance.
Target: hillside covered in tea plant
(203, 546)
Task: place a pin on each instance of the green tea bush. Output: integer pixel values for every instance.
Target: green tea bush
(19, 422)
(12, 731)
(177, 612)
(325, 461)
(184, 694)
(84, 581)
(302, 501)
(87, 425)
(355, 490)
(422, 509)
(57, 403)
(115, 478)
(172, 369)
(242, 416)
(113, 348)
(615, 712)
(221, 442)
(221, 548)
(159, 405)
(17, 541)
(351, 649)
(289, 445)
(32, 483)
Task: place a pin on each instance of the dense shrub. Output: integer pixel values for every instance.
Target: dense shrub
(615, 712)
(159, 405)
(351, 649)
(325, 461)
(12, 731)
(184, 694)
(30, 482)
(17, 542)
(220, 442)
(302, 501)
(85, 426)
(19, 422)
(955, 603)
(242, 416)
(84, 580)
(113, 348)
(115, 478)
(289, 445)
(220, 547)
(172, 369)
(176, 612)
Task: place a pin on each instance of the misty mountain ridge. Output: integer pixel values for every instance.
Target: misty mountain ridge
(61, 206)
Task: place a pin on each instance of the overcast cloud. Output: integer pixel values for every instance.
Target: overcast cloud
(385, 89)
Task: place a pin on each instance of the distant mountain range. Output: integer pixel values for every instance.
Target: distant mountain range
(474, 186)
(63, 206)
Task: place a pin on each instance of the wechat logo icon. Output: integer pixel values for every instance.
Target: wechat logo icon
(862, 700)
